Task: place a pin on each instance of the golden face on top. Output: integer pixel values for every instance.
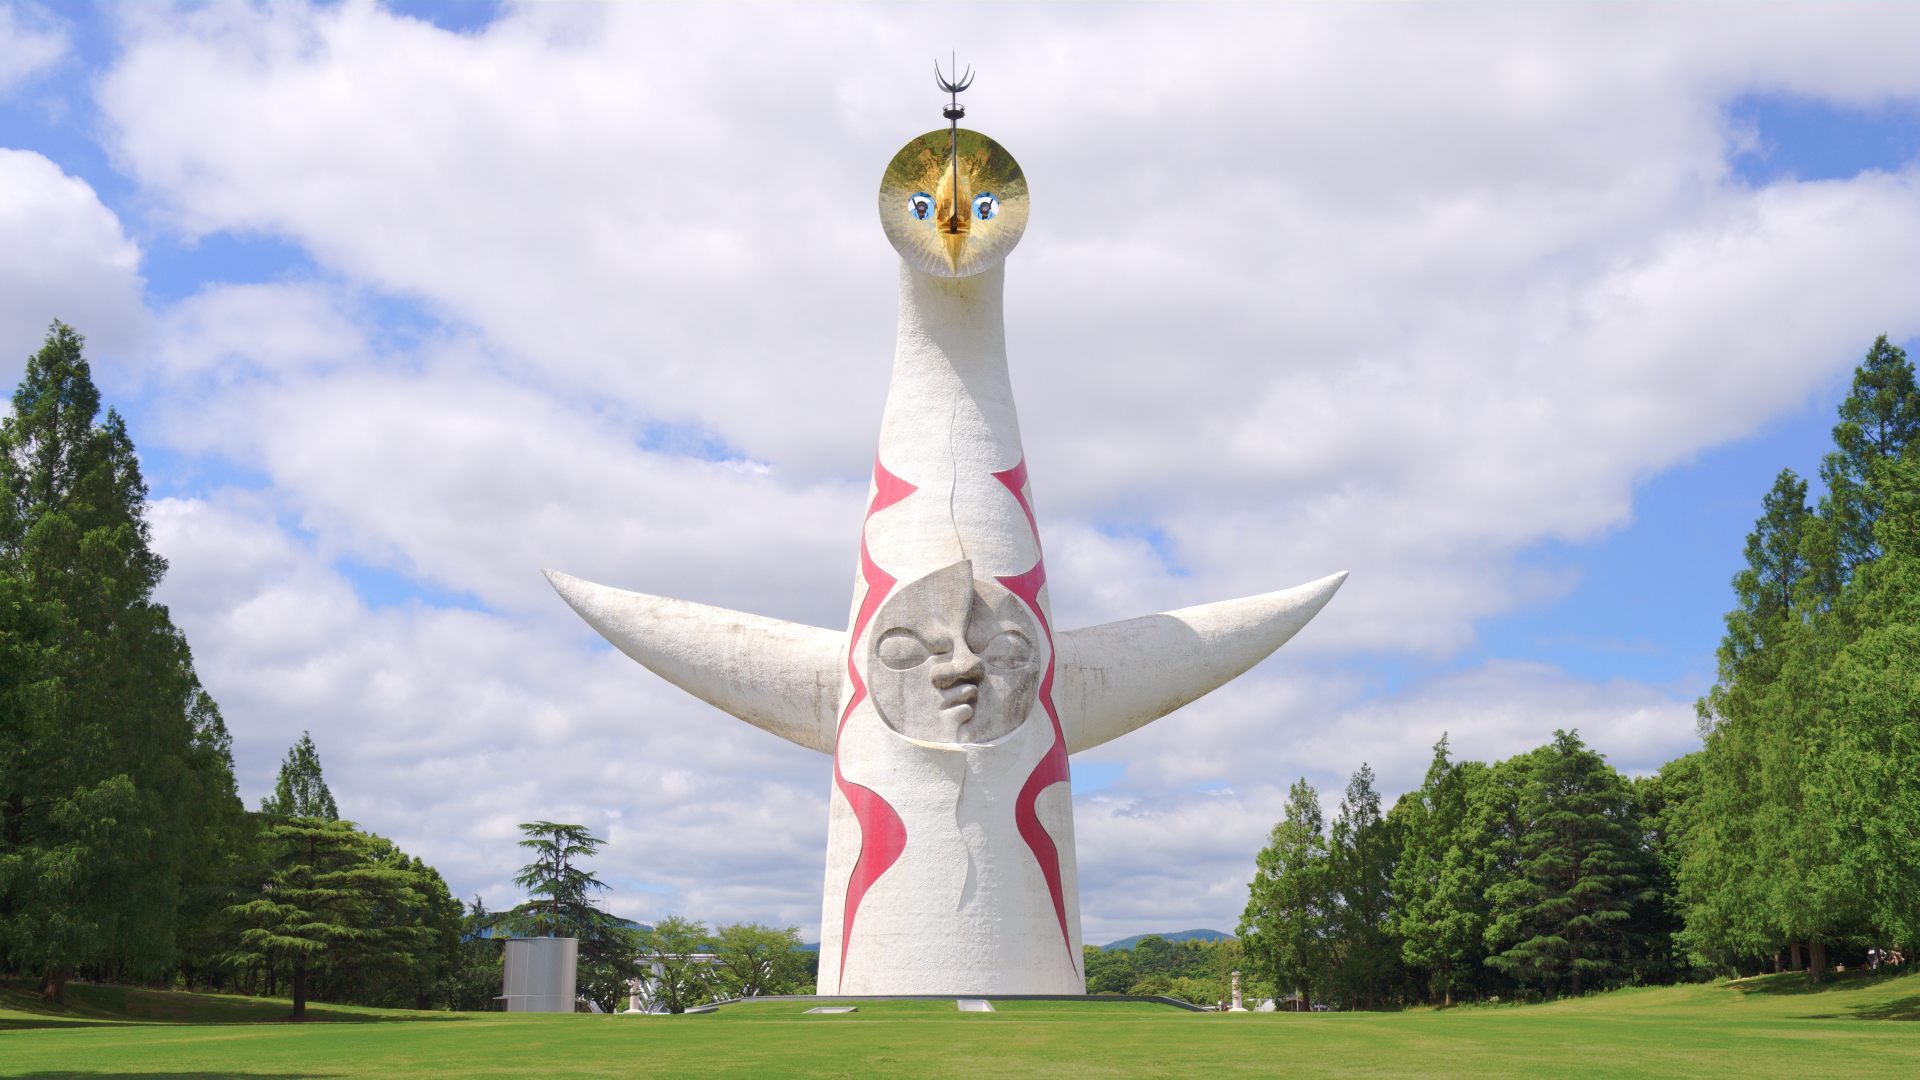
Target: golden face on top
(953, 215)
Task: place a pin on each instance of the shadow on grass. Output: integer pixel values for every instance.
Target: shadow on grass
(79, 1074)
(1796, 984)
(120, 1006)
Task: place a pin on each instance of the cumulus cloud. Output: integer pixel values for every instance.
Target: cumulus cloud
(1397, 291)
(63, 255)
(32, 41)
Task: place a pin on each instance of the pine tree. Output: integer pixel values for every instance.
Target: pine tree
(1562, 916)
(116, 784)
(330, 891)
(560, 887)
(301, 790)
(1284, 927)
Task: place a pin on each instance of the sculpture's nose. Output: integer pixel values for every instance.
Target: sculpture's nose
(961, 665)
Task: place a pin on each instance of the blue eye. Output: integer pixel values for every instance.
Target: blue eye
(985, 206)
(920, 205)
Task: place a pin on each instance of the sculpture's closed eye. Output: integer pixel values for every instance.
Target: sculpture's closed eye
(1009, 651)
(902, 650)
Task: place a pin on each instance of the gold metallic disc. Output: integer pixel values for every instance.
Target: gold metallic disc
(948, 221)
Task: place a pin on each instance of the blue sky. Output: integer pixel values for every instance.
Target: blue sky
(1519, 334)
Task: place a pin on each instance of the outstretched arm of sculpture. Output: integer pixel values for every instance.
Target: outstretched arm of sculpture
(781, 677)
(1122, 675)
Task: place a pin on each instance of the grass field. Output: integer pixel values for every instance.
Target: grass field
(1775, 1026)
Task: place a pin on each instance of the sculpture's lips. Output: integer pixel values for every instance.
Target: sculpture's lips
(957, 701)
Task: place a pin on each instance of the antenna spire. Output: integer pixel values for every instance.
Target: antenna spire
(953, 112)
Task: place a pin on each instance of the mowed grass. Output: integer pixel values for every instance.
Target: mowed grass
(1860, 1026)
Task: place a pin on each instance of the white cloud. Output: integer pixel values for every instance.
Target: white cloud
(62, 255)
(1399, 291)
(31, 42)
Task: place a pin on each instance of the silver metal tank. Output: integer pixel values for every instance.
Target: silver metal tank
(540, 974)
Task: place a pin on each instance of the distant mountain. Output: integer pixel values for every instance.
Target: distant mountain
(488, 931)
(1123, 943)
(1178, 935)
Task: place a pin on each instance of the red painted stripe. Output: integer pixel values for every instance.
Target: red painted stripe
(1015, 480)
(1052, 769)
(882, 834)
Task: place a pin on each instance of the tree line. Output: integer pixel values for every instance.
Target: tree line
(125, 853)
(1200, 972)
(1790, 839)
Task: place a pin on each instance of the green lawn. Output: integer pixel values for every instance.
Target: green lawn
(1775, 1026)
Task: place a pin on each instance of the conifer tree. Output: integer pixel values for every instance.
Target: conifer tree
(1284, 927)
(1562, 916)
(301, 790)
(330, 891)
(1867, 786)
(1878, 419)
(1439, 902)
(1362, 851)
(116, 784)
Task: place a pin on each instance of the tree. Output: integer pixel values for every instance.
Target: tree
(1109, 971)
(1767, 587)
(679, 979)
(560, 904)
(1361, 855)
(472, 981)
(558, 886)
(116, 780)
(301, 790)
(1879, 418)
(1560, 920)
(1439, 903)
(757, 960)
(608, 960)
(1283, 930)
(1866, 787)
(324, 897)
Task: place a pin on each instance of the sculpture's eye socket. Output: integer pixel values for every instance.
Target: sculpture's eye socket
(1008, 651)
(902, 650)
(920, 205)
(985, 206)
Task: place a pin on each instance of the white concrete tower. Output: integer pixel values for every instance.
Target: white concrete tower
(950, 704)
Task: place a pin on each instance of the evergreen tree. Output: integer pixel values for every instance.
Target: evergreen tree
(1561, 918)
(1867, 787)
(1284, 928)
(1878, 419)
(1362, 851)
(559, 887)
(332, 894)
(1440, 907)
(1766, 587)
(116, 782)
(473, 980)
(301, 790)
(561, 905)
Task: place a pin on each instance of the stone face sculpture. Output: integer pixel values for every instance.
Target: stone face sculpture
(950, 704)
